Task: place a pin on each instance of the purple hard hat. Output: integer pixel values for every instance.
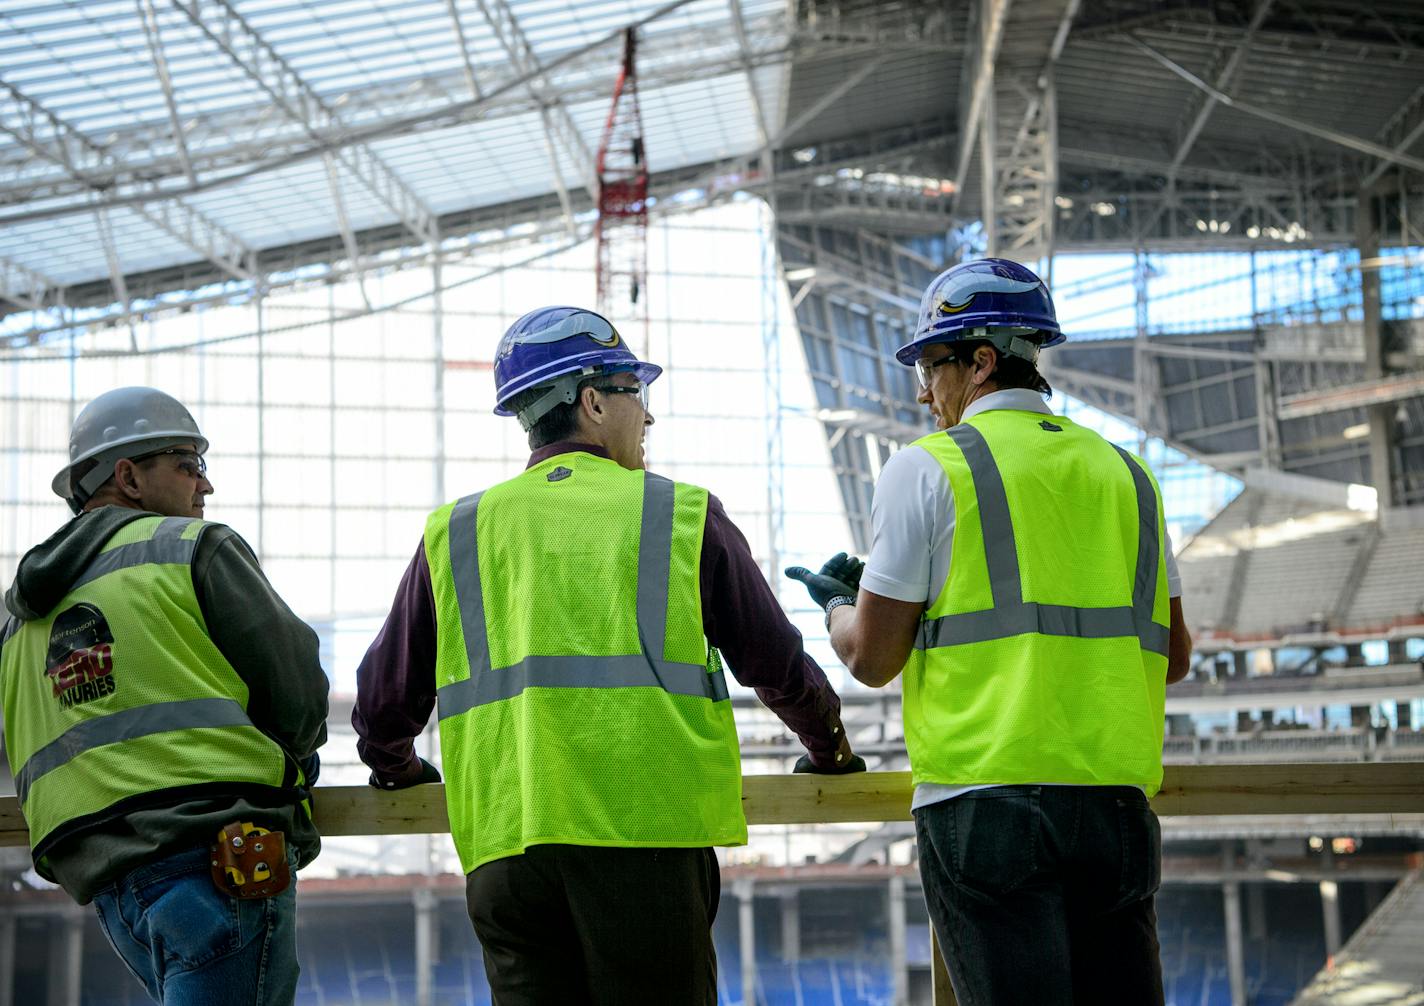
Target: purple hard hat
(991, 298)
(555, 348)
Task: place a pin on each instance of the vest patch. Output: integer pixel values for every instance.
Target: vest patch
(559, 474)
(1050, 427)
(80, 661)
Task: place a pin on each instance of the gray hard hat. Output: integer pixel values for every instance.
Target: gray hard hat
(121, 424)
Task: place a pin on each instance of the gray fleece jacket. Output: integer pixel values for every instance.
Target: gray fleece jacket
(272, 650)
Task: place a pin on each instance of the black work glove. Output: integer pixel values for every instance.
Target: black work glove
(428, 773)
(804, 764)
(839, 577)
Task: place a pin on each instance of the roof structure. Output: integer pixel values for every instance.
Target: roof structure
(155, 154)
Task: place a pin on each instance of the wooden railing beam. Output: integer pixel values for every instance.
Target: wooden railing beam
(1304, 788)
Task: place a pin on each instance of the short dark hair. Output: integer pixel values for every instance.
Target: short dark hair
(560, 422)
(1011, 372)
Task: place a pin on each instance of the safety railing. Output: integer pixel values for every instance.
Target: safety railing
(869, 797)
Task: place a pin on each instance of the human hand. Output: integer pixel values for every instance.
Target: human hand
(839, 577)
(427, 773)
(804, 765)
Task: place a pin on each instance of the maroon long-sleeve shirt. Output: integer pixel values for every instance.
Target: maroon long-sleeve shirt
(740, 615)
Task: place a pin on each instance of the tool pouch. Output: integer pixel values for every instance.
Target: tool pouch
(250, 862)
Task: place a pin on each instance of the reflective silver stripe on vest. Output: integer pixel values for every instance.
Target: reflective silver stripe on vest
(655, 563)
(465, 569)
(632, 671)
(1011, 615)
(646, 669)
(166, 546)
(1144, 587)
(160, 717)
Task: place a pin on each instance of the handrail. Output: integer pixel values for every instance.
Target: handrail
(1300, 788)
(1304, 788)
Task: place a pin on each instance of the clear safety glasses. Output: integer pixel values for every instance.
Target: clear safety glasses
(190, 463)
(924, 369)
(640, 389)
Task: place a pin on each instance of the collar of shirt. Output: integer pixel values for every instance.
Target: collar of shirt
(1017, 399)
(566, 447)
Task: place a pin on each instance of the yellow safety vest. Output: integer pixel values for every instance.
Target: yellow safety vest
(579, 701)
(118, 699)
(1044, 658)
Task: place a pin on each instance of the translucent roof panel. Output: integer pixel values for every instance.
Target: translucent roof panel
(267, 95)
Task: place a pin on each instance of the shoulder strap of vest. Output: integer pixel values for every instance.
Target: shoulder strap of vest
(465, 571)
(166, 546)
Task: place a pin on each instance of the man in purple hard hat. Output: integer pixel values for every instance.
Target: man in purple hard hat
(569, 621)
(1021, 578)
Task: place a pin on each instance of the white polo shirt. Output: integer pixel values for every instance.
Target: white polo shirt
(912, 534)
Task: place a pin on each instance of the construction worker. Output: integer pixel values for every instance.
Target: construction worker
(1021, 578)
(569, 621)
(163, 708)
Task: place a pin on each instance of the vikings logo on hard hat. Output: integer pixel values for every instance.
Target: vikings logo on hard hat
(988, 298)
(989, 284)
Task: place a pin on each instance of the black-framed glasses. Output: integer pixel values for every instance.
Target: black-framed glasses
(190, 463)
(639, 389)
(924, 369)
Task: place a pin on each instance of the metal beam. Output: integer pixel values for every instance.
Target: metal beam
(1360, 395)
(24, 286)
(116, 271)
(828, 99)
(739, 28)
(343, 225)
(557, 119)
(1223, 80)
(1414, 106)
(1331, 135)
(149, 18)
(299, 101)
(1138, 164)
(994, 14)
(466, 63)
(1027, 180)
(52, 138)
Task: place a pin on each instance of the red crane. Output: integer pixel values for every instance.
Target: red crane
(622, 229)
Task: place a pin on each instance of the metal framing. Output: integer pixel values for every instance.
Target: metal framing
(853, 138)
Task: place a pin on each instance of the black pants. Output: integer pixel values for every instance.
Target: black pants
(1044, 895)
(568, 925)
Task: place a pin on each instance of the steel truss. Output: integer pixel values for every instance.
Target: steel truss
(84, 163)
(251, 53)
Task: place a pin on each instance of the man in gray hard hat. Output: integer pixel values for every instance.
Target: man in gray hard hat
(162, 709)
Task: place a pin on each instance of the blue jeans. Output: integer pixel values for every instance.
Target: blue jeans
(1044, 895)
(189, 943)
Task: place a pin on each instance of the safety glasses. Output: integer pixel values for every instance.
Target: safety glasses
(639, 389)
(190, 463)
(924, 369)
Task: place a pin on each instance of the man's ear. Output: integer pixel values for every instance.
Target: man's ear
(591, 404)
(125, 478)
(985, 357)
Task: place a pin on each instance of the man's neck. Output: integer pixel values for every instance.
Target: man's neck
(574, 443)
(112, 499)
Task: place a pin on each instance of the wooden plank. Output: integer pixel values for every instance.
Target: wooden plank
(1305, 788)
